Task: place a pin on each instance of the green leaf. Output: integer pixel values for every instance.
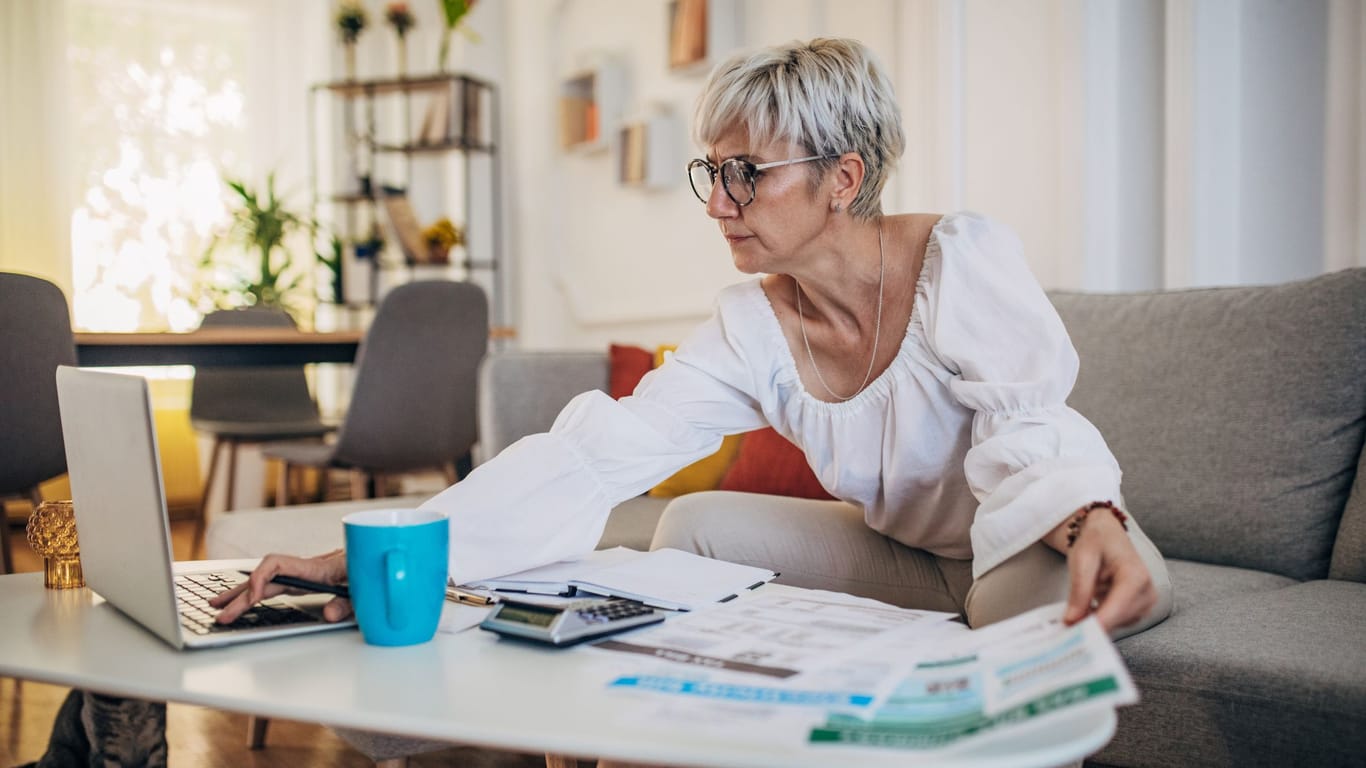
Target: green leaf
(455, 10)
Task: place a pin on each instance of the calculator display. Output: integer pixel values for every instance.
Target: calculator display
(528, 614)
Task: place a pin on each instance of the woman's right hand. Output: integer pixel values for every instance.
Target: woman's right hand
(327, 569)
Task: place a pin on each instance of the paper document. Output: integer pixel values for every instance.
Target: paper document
(557, 578)
(778, 635)
(1011, 680)
(664, 578)
(908, 684)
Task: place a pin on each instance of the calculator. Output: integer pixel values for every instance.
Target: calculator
(569, 623)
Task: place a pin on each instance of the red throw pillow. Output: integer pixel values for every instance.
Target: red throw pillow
(626, 366)
(770, 463)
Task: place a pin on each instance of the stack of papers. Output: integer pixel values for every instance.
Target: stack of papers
(664, 578)
(840, 671)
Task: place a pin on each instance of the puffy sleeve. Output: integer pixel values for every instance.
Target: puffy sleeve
(546, 497)
(1033, 459)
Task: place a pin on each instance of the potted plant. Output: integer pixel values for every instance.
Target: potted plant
(401, 18)
(441, 236)
(351, 21)
(262, 271)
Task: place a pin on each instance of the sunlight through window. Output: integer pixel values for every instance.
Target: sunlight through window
(160, 110)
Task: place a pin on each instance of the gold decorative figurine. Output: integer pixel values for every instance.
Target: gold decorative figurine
(52, 534)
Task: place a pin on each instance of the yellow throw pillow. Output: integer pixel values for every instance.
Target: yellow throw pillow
(703, 474)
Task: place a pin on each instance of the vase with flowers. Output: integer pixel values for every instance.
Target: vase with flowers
(401, 18)
(441, 236)
(351, 20)
(455, 11)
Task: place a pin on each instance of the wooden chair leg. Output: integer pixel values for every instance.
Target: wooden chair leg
(208, 481)
(6, 556)
(560, 761)
(393, 762)
(197, 538)
(452, 475)
(324, 480)
(360, 486)
(230, 502)
(256, 731)
(282, 485)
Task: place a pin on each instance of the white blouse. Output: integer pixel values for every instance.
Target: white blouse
(964, 446)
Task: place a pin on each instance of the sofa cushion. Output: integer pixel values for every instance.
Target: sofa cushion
(1349, 548)
(1237, 414)
(1267, 679)
(626, 366)
(1194, 584)
(770, 463)
(531, 389)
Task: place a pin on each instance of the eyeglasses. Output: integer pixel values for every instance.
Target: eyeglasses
(737, 176)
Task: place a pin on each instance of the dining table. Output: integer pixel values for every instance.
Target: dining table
(230, 346)
(245, 346)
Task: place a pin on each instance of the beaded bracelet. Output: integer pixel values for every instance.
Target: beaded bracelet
(1074, 525)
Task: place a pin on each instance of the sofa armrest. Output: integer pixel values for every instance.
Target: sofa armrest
(521, 393)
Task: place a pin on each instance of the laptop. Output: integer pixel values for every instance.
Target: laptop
(123, 528)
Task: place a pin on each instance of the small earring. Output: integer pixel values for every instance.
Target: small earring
(835, 206)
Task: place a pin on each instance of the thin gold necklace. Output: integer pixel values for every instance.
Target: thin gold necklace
(877, 329)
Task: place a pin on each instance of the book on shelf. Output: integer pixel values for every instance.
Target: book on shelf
(436, 122)
(688, 33)
(403, 220)
(470, 113)
(633, 138)
(576, 122)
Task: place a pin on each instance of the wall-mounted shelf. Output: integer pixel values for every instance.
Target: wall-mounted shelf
(591, 104)
(648, 152)
(701, 33)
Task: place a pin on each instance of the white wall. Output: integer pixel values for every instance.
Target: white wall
(1133, 144)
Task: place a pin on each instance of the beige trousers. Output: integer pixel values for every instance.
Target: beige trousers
(826, 545)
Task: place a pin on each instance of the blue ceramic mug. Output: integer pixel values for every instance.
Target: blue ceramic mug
(396, 569)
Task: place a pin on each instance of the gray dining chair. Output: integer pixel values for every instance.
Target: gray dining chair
(248, 405)
(35, 338)
(412, 409)
(412, 406)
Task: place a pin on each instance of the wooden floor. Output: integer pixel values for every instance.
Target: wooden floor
(198, 736)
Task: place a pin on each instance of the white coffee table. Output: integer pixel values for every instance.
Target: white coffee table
(468, 688)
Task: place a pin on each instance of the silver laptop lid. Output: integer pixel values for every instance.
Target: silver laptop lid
(116, 491)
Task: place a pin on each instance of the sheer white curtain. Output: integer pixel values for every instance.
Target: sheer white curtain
(35, 198)
(122, 119)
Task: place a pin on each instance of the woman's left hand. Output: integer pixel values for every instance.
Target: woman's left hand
(1107, 575)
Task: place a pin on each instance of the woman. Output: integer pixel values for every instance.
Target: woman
(913, 358)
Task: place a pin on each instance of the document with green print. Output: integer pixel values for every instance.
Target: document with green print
(1002, 677)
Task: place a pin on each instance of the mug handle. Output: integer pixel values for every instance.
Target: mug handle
(396, 569)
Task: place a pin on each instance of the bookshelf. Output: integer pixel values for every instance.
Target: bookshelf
(391, 146)
(701, 32)
(591, 102)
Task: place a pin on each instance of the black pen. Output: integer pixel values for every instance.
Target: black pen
(312, 586)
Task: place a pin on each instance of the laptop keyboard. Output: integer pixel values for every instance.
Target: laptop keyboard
(193, 591)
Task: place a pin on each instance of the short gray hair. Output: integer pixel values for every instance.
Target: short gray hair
(828, 95)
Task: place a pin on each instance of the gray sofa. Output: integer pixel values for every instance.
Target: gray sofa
(1238, 416)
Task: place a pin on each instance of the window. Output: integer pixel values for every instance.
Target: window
(167, 98)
